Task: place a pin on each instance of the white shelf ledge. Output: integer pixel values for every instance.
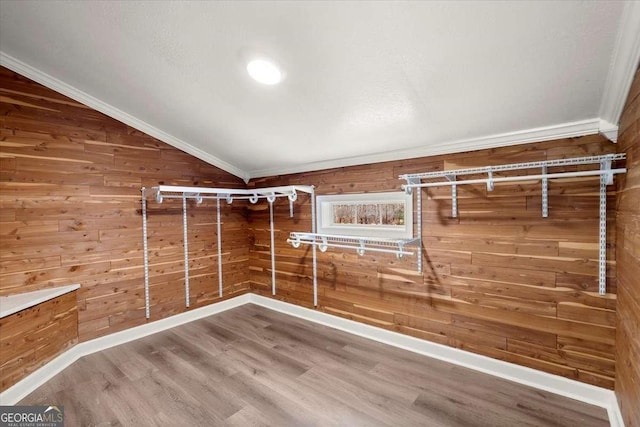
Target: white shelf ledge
(598, 160)
(14, 303)
(229, 194)
(360, 244)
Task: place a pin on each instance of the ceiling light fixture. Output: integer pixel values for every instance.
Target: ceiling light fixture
(265, 72)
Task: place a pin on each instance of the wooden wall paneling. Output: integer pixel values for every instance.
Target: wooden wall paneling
(627, 349)
(70, 212)
(166, 253)
(32, 337)
(499, 280)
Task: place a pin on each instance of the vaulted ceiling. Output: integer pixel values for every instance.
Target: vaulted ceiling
(363, 81)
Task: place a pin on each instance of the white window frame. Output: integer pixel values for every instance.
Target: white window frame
(325, 217)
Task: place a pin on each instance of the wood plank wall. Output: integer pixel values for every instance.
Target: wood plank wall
(32, 337)
(70, 201)
(499, 280)
(628, 252)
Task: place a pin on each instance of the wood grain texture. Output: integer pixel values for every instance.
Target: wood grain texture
(70, 203)
(254, 366)
(628, 252)
(32, 337)
(498, 280)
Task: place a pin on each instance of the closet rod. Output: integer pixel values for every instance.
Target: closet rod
(252, 199)
(360, 244)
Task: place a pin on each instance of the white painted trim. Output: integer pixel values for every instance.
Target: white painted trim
(325, 215)
(624, 63)
(547, 133)
(531, 377)
(111, 111)
(11, 304)
(563, 130)
(24, 387)
(615, 415)
(609, 130)
(20, 390)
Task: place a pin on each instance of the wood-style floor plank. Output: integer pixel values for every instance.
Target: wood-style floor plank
(253, 366)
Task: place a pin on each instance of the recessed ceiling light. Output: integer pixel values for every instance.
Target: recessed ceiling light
(265, 72)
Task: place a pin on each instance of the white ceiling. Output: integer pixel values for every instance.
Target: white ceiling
(365, 81)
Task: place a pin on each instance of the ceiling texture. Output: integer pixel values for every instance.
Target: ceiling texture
(364, 81)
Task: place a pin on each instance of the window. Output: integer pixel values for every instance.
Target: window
(387, 215)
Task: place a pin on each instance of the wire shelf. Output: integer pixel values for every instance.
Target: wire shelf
(360, 244)
(229, 194)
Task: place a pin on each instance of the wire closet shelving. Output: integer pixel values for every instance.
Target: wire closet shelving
(360, 244)
(605, 172)
(228, 195)
(399, 247)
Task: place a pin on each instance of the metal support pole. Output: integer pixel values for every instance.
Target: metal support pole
(273, 250)
(315, 259)
(411, 184)
(145, 255)
(490, 180)
(606, 165)
(218, 227)
(186, 251)
(454, 196)
(602, 259)
(419, 212)
(545, 194)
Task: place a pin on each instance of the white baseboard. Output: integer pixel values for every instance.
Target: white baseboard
(552, 383)
(27, 385)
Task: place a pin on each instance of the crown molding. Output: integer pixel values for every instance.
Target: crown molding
(624, 63)
(547, 133)
(564, 130)
(113, 112)
(609, 130)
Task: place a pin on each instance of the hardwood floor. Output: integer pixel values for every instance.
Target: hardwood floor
(253, 366)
